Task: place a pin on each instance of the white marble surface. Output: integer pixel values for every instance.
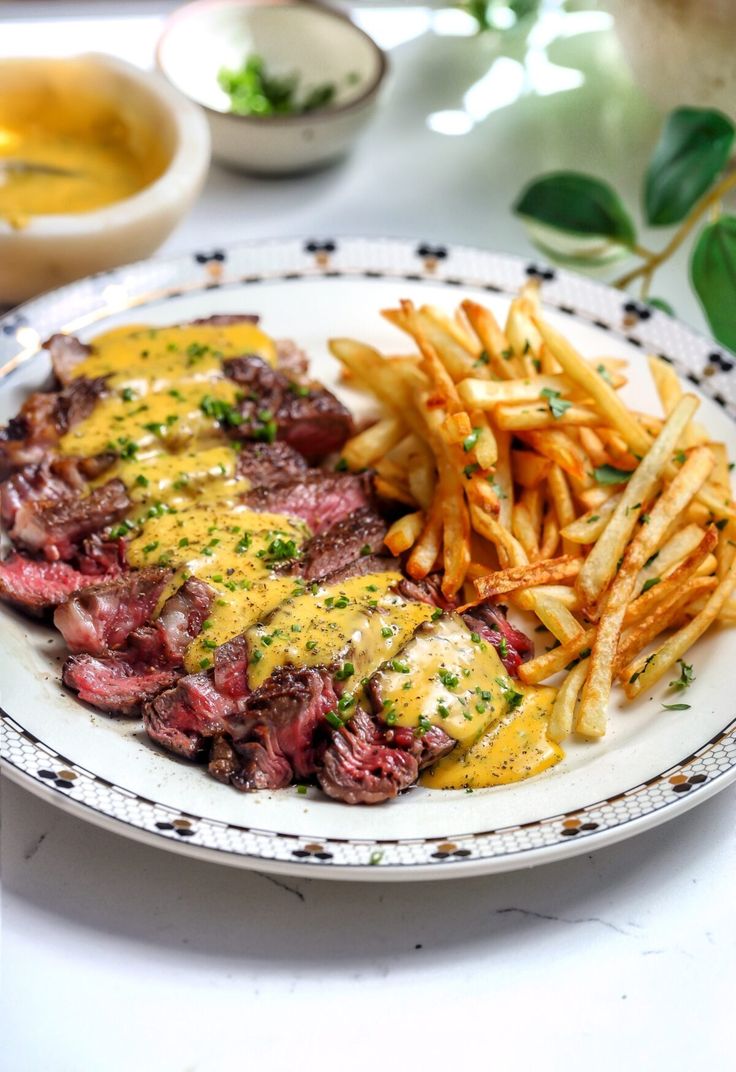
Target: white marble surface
(117, 956)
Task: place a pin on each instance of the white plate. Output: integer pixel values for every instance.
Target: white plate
(652, 764)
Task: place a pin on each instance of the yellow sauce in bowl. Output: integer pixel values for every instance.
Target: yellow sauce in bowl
(59, 123)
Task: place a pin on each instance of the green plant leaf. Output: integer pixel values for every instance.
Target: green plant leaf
(693, 148)
(576, 204)
(713, 274)
(662, 305)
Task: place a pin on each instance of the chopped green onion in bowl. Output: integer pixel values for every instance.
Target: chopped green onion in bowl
(255, 91)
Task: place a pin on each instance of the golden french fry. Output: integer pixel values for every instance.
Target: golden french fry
(387, 489)
(588, 527)
(525, 599)
(608, 402)
(563, 708)
(594, 498)
(486, 447)
(425, 551)
(646, 672)
(527, 416)
(562, 624)
(457, 427)
(503, 483)
(543, 666)
(591, 443)
(524, 530)
(365, 448)
(592, 713)
(510, 551)
(666, 381)
(404, 533)
(661, 618)
(529, 469)
(456, 531)
(487, 394)
(559, 491)
(550, 571)
(559, 448)
(601, 563)
(492, 339)
(550, 535)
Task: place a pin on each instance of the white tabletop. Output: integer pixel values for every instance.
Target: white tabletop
(117, 956)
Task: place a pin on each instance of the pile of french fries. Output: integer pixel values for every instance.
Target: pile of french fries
(527, 479)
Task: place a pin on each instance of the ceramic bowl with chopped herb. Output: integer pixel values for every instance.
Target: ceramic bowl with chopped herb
(286, 86)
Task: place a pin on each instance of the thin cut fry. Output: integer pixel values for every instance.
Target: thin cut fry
(600, 565)
(592, 713)
(427, 548)
(550, 571)
(646, 672)
(588, 527)
(563, 709)
(404, 533)
(596, 386)
(660, 618)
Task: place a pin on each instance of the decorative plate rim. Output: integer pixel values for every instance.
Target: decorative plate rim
(36, 766)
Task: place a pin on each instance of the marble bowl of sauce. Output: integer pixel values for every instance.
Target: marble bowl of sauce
(98, 162)
(312, 42)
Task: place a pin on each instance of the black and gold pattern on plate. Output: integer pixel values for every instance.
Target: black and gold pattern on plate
(575, 825)
(634, 312)
(431, 256)
(448, 850)
(312, 850)
(62, 779)
(321, 249)
(718, 362)
(180, 827)
(682, 784)
(541, 272)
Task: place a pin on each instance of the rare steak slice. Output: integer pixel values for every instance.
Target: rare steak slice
(152, 659)
(362, 766)
(102, 616)
(269, 463)
(320, 498)
(360, 534)
(306, 416)
(513, 646)
(56, 527)
(185, 718)
(35, 586)
(115, 683)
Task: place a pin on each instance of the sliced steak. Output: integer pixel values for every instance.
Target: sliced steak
(321, 499)
(100, 557)
(269, 463)
(150, 661)
(31, 484)
(428, 590)
(114, 683)
(513, 646)
(360, 534)
(44, 417)
(360, 766)
(102, 616)
(66, 353)
(56, 527)
(184, 719)
(34, 585)
(361, 567)
(307, 416)
(292, 360)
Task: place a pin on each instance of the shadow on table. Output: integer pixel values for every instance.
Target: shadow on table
(96, 880)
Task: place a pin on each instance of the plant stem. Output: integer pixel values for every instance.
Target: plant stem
(653, 260)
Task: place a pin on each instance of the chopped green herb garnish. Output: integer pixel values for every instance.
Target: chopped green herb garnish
(510, 695)
(686, 678)
(470, 441)
(650, 584)
(347, 670)
(609, 474)
(557, 405)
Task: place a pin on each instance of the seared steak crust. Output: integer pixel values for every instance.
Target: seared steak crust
(360, 534)
(56, 527)
(320, 498)
(308, 417)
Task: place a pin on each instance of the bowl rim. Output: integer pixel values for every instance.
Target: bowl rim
(186, 168)
(319, 114)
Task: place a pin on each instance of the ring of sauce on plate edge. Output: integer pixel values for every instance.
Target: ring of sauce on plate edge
(166, 390)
